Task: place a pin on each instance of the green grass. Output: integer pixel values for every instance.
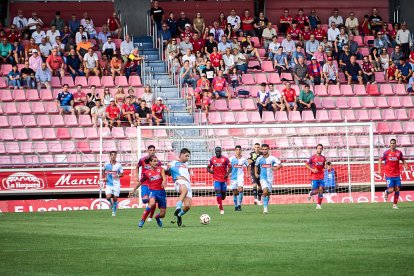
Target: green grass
(343, 239)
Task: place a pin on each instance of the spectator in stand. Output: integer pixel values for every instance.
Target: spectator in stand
(14, 78)
(126, 47)
(235, 44)
(131, 94)
(280, 62)
(263, 99)
(143, 114)
(55, 64)
(52, 34)
(109, 49)
(38, 34)
(340, 41)
(43, 76)
(240, 60)
(215, 57)
(405, 71)
(295, 32)
(203, 83)
(185, 44)
(81, 35)
(374, 59)
(66, 38)
(320, 55)
(365, 26)
(380, 41)
(157, 15)
(367, 71)
(80, 101)
(384, 60)
(164, 35)
(386, 33)
(61, 47)
(186, 74)
(148, 96)
(268, 34)
(311, 47)
(173, 50)
(58, 21)
(222, 20)
(352, 24)
(333, 32)
(13, 35)
(216, 31)
(98, 114)
(296, 55)
(260, 24)
(223, 45)
(172, 24)
(134, 63)
(103, 35)
(396, 55)
(128, 112)
(92, 96)
(28, 76)
(116, 67)
(306, 34)
(182, 21)
(411, 59)
(120, 96)
(73, 24)
(336, 18)
(285, 21)
(313, 19)
(199, 24)
(300, 72)
(106, 97)
(222, 67)
(234, 79)
(306, 100)
(113, 113)
(273, 48)
(345, 58)
(21, 23)
(35, 61)
(375, 21)
(158, 112)
(234, 20)
(289, 97)
(74, 64)
(187, 32)
(353, 71)
(404, 40)
(228, 59)
(198, 43)
(84, 18)
(393, 34)
(209, 45)
(330, 73)
(64, 101)
(353, 46)
(318, 32)
(247, 23)
(114, 25)
(45, 49)
(190, 57)
(90, 63)
(33, 23)
(301, 19)
(410, 84)
(249, 50)
(315, 72)
(392, 72)
(229, 32)
(6, 54)
(206, 102)
(288, 45)
(276, 98)
(220, 86)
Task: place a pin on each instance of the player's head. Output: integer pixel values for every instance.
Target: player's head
(112, 155)
(256, 147)
(184, 155)
(265, 149)
(238, 150)
(319, 148)
(152, 160)
(328, 165)
(151, 150)
(393, 144)
(218, 151)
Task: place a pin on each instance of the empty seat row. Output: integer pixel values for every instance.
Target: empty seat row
(364, 102)
(360, 90)
(16, 121)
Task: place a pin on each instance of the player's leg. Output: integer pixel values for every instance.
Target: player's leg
(186, 207)
(145, 194)
(233, 187)
(115, 199)
(162, 205)
(146, 212)
(259, 193)
(397, 188)
(223, 187)
(266, 188)
(217, 191)
(321, 187)
(182, 189)
(314, 189)
(108, 194)
(255, 182)
(390, 187)
(240, 196)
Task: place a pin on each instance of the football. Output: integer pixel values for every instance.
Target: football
(205, 219)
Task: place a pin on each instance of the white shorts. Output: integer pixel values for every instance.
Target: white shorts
(180, 182)
(266, 184)
(234, 184)
(113, 190)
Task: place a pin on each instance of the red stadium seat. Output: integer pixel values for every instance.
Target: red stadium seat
(307, 116)
(386, 89)
(19, 95)
(372, 90)
(359, 89)
(51, 108)
(83, 146)
(221, 105)
(269, 117)
(407, 101)
(401, 114)
(322, 116)
(45, 95)
(15, 121)
(94, 80)
(44, 121)
(294, 116)
(228, 117)
(273, 78)
(358, 39)
(107, 81)
(368, 102)
(249, 104)
(362, 115)
(62, 133)
(334, 90)
(241, 117)
(92, 132)
(394, 102)
(49, 133)
(38, 108)
(388, 115)
(334, 115)
(375, 115)
(281, 117)
(328, 103)
(80, 80)
(409, 127)
(4, 122)
(12, 147)
(29, 121)
(383, 128)
(215, 118)
(346, 90)
(254, 117)
(404, 140)
(248, 79)
(134, 81)
(20, 134)
(250, 132)
(78, 133)
(6, 96)
(235, 105)
(85, 120)
(24, 108)
(261, 78)
(26, 147)
(354, 103)
(121, 81)
(57, 120)
(70, 120)
(55, 147)
(267, 66)
(399, 89)
(382, 102)
(36, 134)
(349, 115)
(342, 103)
(320, 91)
(40, 147)
(396, 128)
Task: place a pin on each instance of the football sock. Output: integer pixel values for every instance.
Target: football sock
(157, 216)
(179, 205)
(235, 201)
(255, 193)
(152, 212)
(115, 206)
(266, 201)
(259, 194)
(110, 201)
(396, 196)
(146, 213)
(320, 197)
(240, 199)
(182, 213)
(314, 192)
(220, 202)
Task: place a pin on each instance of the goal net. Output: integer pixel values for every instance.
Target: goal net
(348, 146)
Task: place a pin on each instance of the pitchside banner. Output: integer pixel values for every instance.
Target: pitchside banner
(87, 180)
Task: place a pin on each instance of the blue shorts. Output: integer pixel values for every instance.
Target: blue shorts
(160, 197)
(66, 108)
(221, 186)
(145, 191)
(317, 183)
(393, 182)
(221, 93)
(354, 78)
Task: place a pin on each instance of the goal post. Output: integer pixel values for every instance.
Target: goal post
(349, 146)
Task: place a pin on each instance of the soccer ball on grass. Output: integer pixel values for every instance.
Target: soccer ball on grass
(205, 219)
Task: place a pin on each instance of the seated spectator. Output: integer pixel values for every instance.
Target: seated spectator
(273, 48)
(300, 72)
(380, 42)
(295, 32)
(330, 73)
(340, 41)
(92, 96)
(396, 55)
(52, 34)
(90, 63)
(113, 113)
(80, 101)
(172, 49)
(89, 28)
(353, 46)
(280, 62)
(222, 67)
(28, 76)
(60, 46)
(73, 25)
(223, 45)
(45, 49)
(80, 34)
(13, 34)
(240, 60)
(215, 57)
(405, 71)
(190, 57)
(289, 97)
(384, 59)
(21, 23)
(345, 58)
(133, 64)
(209, 71)
(158, 112)
(115, 66)
(74, 64)
(109, 49)
(296, 55)
(206, 102)
(249, 50)
(131, 94)
(126, 47)
(14, 78)
(319, 33)
(114, 25)
(43, 77)
(327, 45)
(306, 100)
(186, 75)
(128, 112)
(392, 72)
(368, 71)
(208, 45)
(64, 100)
(17, 52)
(66, 38)
(352, 24)
(276, 98)
(143, 114)
(228, 59)
(216, 31)
(107, 96)
(263, 99)
(268, 35)
(181, 22)
(315, 72)
(365, 26)
(98, 114)
(187, 32)
(38, 35)
(35, 61)
(313, 19)
(320, 55)
(234, 79)
(235, 44)
(6, 54)
(29, 48)
(148, 96)
(198, 43)
(120, 96)
(164, 35)
(58, 21)
(103, 35)
(83, 47)
(285, 21)
(410, 84)
(312, 46)
(353, 71)
(55, 64)
(229, 32)
(220, 86)
(203, 83)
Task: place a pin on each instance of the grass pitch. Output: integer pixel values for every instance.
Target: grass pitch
(342, 239)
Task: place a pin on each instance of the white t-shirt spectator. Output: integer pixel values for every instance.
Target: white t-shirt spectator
(191, 58)
(38, 37)
(228, 61)
(338, 20)
(273, 46)
(126, 48)
(90, 60)
(234, 21)
(20, 22)
(288, 46)
(332, 34)
(31, 21)
(45, 49)
(275, 96)
(109, 46)
(52, 36)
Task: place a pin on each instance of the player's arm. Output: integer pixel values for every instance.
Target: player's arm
(379, 165)
(277, 167)
(256, 170)
(120, 172)
(209, 167)
(229, 169)
(405, 165)
(131, 193)
(314, 170)
(164, 179)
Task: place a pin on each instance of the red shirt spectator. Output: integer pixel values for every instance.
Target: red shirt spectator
(315, 69)
(79, 98)
(367, 67)
(295, 33)
(188, 33)
(113, 23)
(289, 94)
(198, 43)
(13, 36)
(113, 111)
(286, 18)
(301, 19)
(306, 33)
(206, 102)
(128, 107)
(215, 58)
(247, 26)
(158, 109)
(55, 62)
(219, 83)
(319, 34)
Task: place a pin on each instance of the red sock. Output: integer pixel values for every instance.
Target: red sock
(320, 200)
(396, 196)
(220, 202)
(145, 214)
(152, 212)
(157, 216)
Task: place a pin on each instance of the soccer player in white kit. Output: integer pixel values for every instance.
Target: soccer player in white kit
(237, 176)
(112, 171)
(180, 173)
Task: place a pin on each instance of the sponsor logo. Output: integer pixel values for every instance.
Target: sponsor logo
(266, 166)
(23, 181)
(67, 181)
(238, 166)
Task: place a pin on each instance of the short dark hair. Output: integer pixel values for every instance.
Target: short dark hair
(393, 140)
(257, 144)
(319, 145)
(151, 147)
(112, 152)
(66, 85)
(265, 145)
(328, 163)
(263, 84)
(184, 151)
(307, 85)
(237, 147)
(150, 158)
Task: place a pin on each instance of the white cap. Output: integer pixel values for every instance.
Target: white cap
(159, 99)
(187, 25)
(112, 100)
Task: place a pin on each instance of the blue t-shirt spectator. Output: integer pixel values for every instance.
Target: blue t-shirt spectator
(65, 98)
(405, 69)
(280, 58)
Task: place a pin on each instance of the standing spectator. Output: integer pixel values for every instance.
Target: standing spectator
(158, 111)
(280, 61)
(289, 97)
(285, 21)
(58, 21)
(181, 22)
(330, 73)
(14, 78)
(375, 21)
(13, 35)
(143, 114)
(74, 64)
(35, 61)
(128, 112)
(186, 74)
(353, 71)
(114, 25)
(55, 64)
(276, 98)
(396, 55)
(306, 100)
(295, 32)
(404, 40)
(268, 34)
(368, 71)
(234, 20)
(215, 58)
(172, 24)
(38, 34)
(315, 72)
(148, 96)
(335, 18)
(113, 113)
(301, 19)
(126, 47)
(220, 86)
(199, 24)
(333, 32)
(33, 23)
(109, 49)
(28, 76)
(222, 20)
(260, 24)
(45, 48)
(43, 76)
(84, 19)
(313, 19)
(98, 114)
(90, 63)
(300, 72)
(80, 101)
(311, 47)
(186, 44)
(247, 23)
(92, 96)
(365, 26)
(6, 54)
(352, 24)
(249, 49)
(157, 14)
(405, 71)
(263, 100)
(208, 45)
(73, 24)
(240, 60)
(103, 36)
(21, 23)
(116, 66)
(64, 101)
